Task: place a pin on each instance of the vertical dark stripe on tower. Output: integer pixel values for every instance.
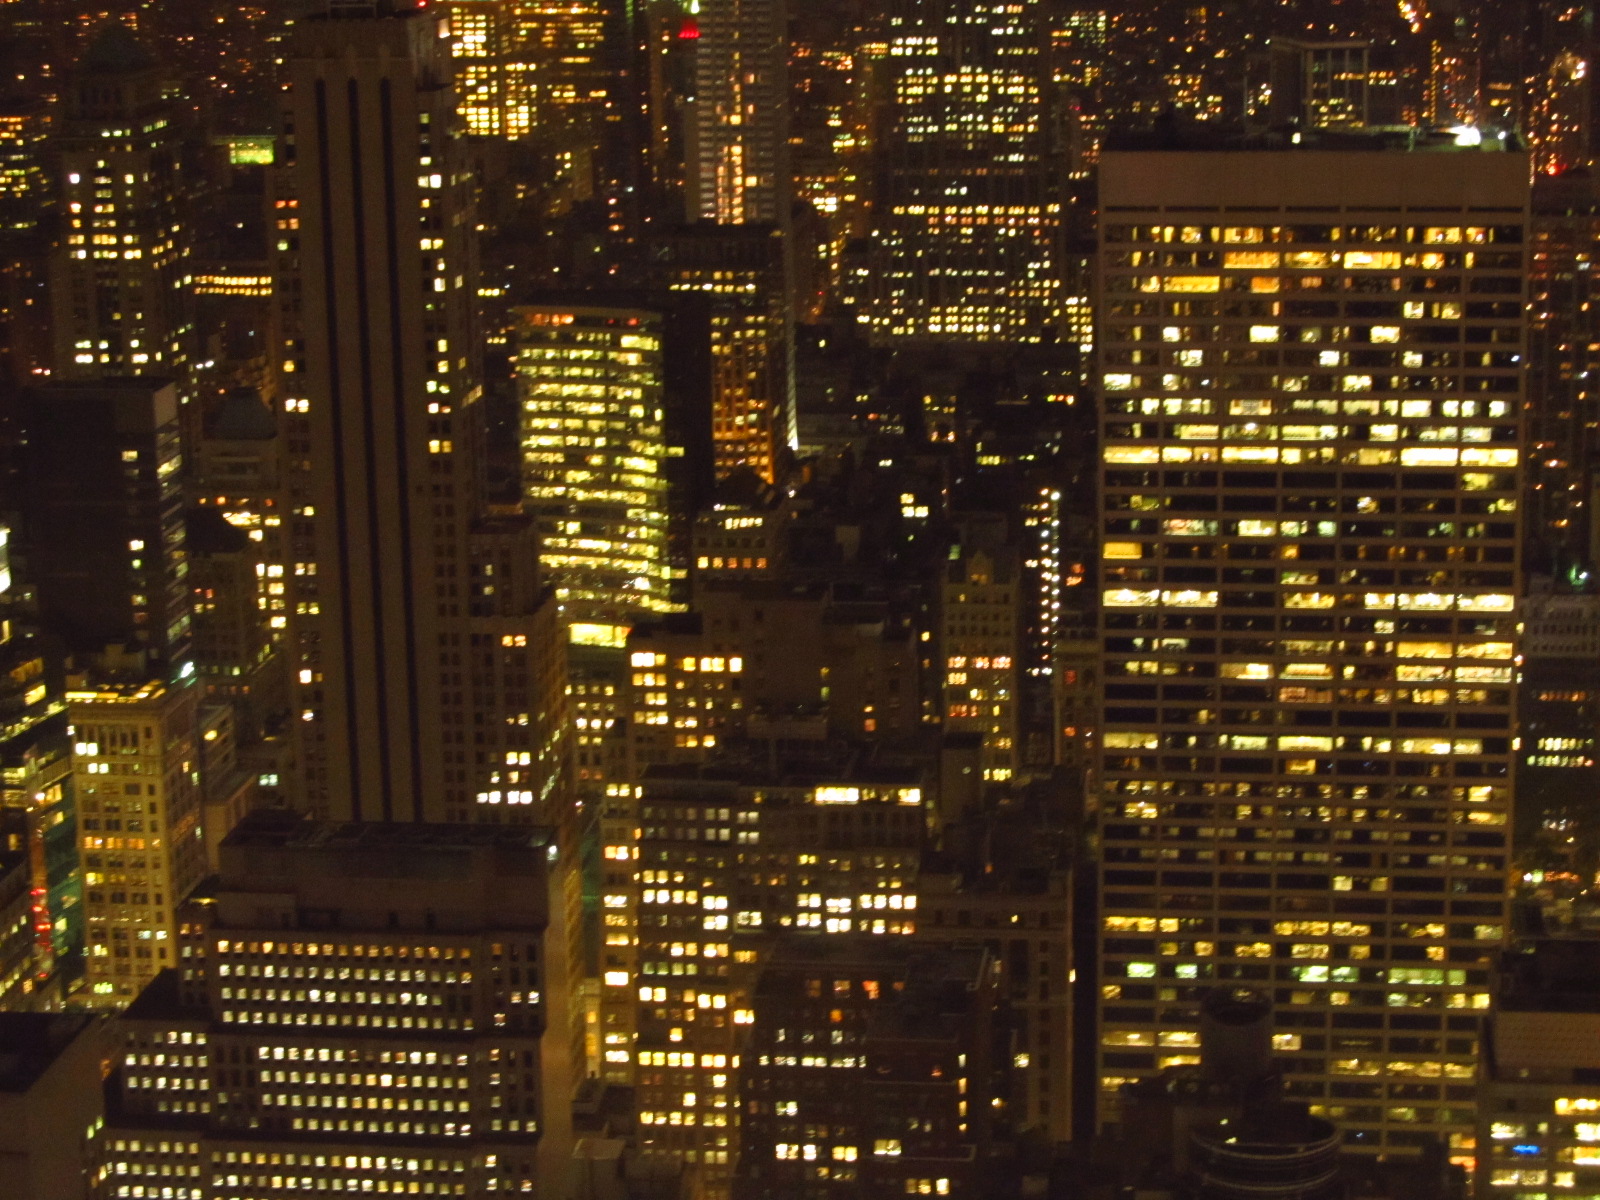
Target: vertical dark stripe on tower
(336, 417)
(363, 281)
(391, 210)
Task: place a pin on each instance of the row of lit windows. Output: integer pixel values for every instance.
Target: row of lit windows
(347, 1020)
(343, 950)
(1432, 235)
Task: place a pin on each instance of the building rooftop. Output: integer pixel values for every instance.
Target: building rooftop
(115, 51)
(241, 416)
(31, 1042)
(1169, 133)
(276, 829)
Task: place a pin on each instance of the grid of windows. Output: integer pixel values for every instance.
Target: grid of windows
(1311, 443)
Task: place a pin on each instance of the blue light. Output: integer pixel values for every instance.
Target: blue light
(1525, 1149)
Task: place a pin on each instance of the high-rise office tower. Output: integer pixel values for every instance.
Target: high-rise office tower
(980, 636)
(102, 519)
(105, 550)
(136, 768)
(426, 654)
(117, 275)
(705, 921)
(1563, 351)
(356, 1006)
(559, 81)
(738, 133)
(965, 210)
(236, 541)
(23, 189)
(1311, 440)
(593, 451)
(1560, 126)
(36, 797)
(1318, 84)
(870, 1071)
(1453, 95)
(742, 275)
(480, 33)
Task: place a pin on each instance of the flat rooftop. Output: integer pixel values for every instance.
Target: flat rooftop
(272, 829)
(1186, 137)
(31, 1042)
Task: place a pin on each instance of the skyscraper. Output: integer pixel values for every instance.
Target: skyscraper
(742, 274)
(846, 854)
(593, 451)
(426, 651)
(117, 276)
(1318, 84)
(738, 135)
(356, 1004)
(102, 519)
(1311, 441)
(480, 32)
(136, 766)
(965, 211)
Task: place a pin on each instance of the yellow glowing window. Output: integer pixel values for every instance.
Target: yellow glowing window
(1131, 741)
(1130, 598)
(1372, 260)
(1238, 670)
(1305, 743)
(1191, 283)
(1250, 259)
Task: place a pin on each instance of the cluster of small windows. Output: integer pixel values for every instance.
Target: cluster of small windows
(1311, 502)
(593, 442)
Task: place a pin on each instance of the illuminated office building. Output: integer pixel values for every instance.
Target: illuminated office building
(37, 812)
(357, 1007)
(136, 768)
(593, 445)
(1317, 85)
(741, 274)
(480, 32)
(980, 638)
(1560, 123)
(685, 689)
(720, 866)
(1563, 354)
(1538, 1097)
(23, 190)
(965, 210)
(740, 543)
(101, 525)
(117, 275)
(558, 78)
(426, 653)
(1452, 95)
(870, 1071)
(236, 541)
(738, 132)
(1311, 368)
